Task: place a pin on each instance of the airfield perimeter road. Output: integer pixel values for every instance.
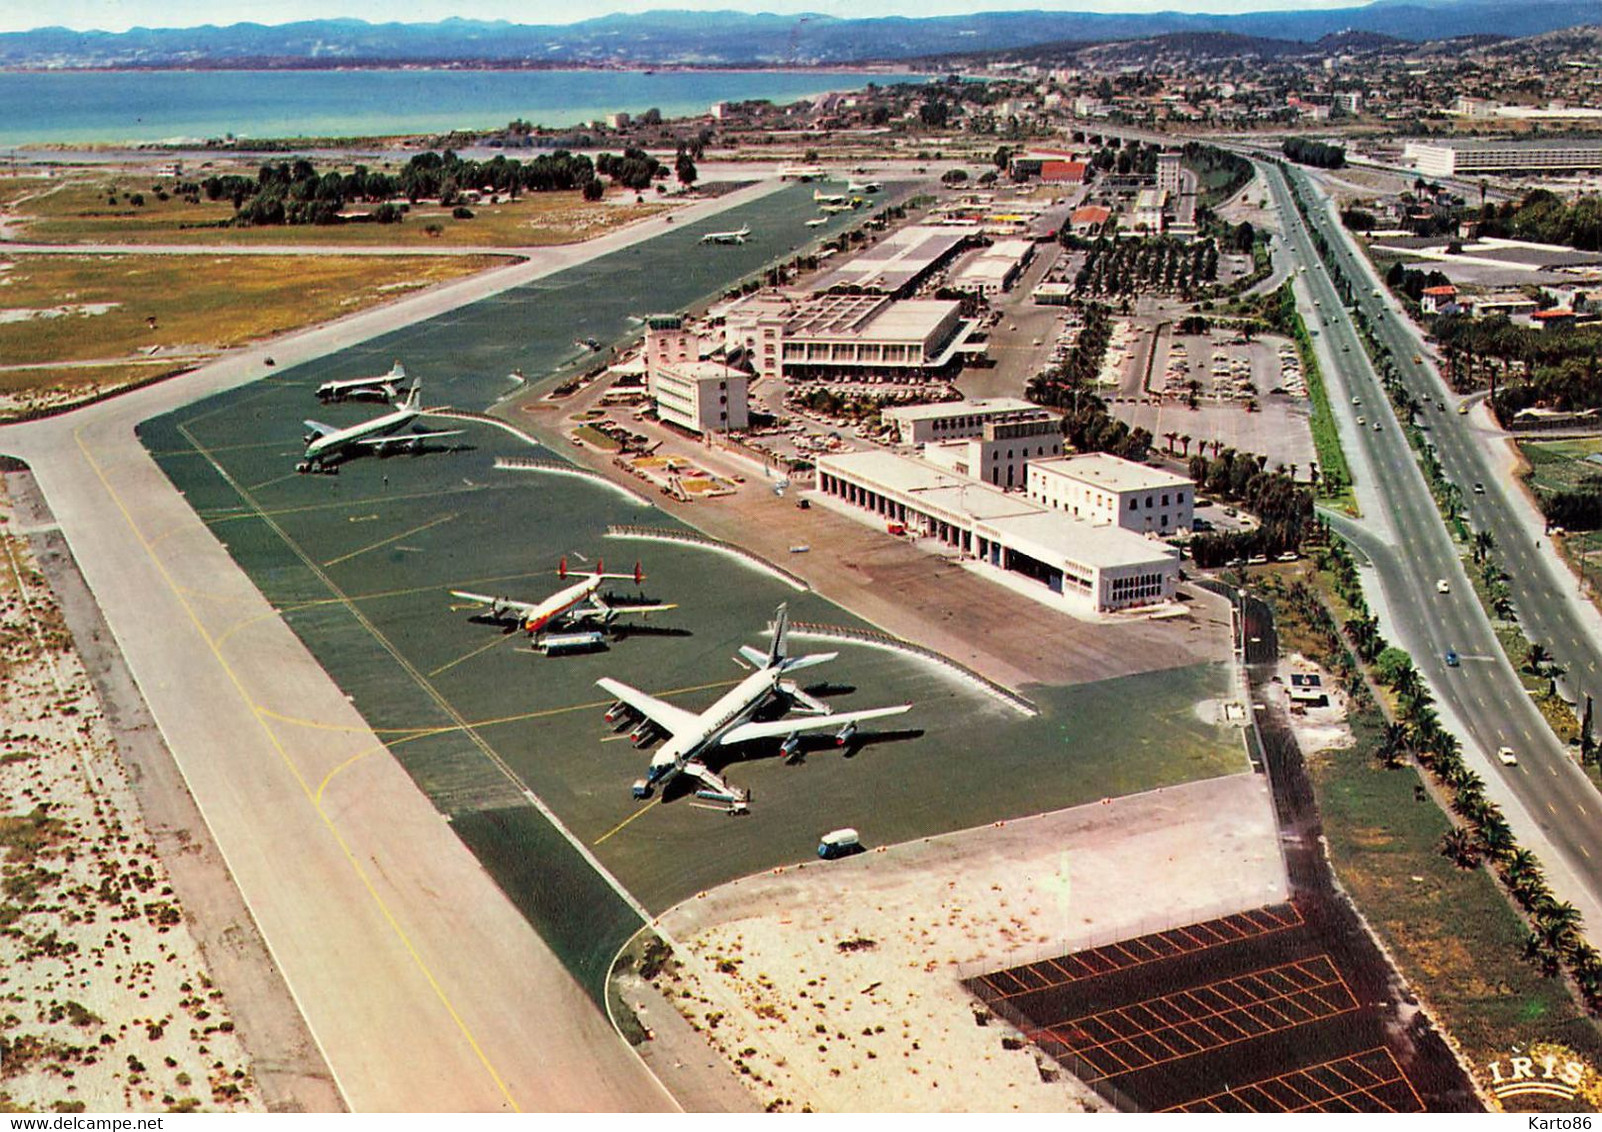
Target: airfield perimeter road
(425, 989)
(1546, 798)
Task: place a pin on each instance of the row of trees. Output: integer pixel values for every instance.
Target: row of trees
(1306, 151)
(1070, 386)
(1406, 281)
(1129, 267)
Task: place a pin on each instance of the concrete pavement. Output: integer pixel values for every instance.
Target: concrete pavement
(423, 987)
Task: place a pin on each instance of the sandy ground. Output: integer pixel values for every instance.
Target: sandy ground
(108, 1005)
(836, 986)
(1317, 728)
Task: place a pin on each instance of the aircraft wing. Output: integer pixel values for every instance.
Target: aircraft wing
(780, 728)
(382, 442)
(319, 428)
(621, 609)
(521, 608)
(671, 719)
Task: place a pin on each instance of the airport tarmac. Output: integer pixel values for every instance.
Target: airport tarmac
(423, 987)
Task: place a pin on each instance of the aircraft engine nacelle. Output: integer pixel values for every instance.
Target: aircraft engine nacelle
(790, 748)
(643, 734)
(845, 735)
(616, 712)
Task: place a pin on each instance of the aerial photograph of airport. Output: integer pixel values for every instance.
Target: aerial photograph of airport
(782, 556)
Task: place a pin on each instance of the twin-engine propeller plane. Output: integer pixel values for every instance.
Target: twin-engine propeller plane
(326, 445)
(578, 604)
(385, 387)
(692, 738)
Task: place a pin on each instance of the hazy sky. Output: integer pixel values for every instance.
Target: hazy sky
(119, 15)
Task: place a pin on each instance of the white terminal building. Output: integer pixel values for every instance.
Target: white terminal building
(959, 420)
(1084, 565)
(1106, 489)
(1461, 158)
(993, 270)
(837, 337)
(700, 396)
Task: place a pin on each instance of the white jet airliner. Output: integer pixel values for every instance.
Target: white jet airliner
(735, 237)
(326, 445)
(691, 736)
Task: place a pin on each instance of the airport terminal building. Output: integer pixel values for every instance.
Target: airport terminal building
(1084, 565)
(846, 338)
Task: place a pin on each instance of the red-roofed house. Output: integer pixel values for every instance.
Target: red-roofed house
(1435, 298)
(1088, 220)
(1063, 172)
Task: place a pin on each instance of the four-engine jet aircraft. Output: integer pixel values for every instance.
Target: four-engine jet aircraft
(691, 736)
(385, 387)
(735, 237)
(576, 604)
(326, 445)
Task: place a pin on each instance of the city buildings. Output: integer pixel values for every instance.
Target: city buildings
(701, 397)
(994, 269)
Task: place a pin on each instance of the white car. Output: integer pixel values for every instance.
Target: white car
(1442, 586)
(1506, 757)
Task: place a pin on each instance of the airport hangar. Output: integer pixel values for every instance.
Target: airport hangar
(1084, 565)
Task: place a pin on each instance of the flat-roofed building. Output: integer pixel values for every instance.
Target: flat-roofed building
(1082, 565)
(1147, 215)
(897, 264)
(960, 420)
(994, 269)
(668, 340)
(1168, 174)
(839, 337)
(1106, 489)
(998, 455)
(1464, 158)
(701, 396)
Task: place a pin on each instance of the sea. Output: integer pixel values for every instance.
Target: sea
(187, 107)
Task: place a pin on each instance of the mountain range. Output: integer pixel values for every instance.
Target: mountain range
(735, 38)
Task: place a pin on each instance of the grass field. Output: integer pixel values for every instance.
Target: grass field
(102, 210)
(1557, 465)
(361, 565)
(136, 315)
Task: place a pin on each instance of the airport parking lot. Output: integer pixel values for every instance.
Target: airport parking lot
(1252, 999)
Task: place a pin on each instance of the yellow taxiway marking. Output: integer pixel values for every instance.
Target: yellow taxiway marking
(619, 826)
(450, 664)
(392, 538)
(361, 872)
(360, 518)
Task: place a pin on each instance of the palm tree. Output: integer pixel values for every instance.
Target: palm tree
(1459, 845)
(1559, 924)
(1536, 658)
(1184, 440)
(1392, 750)
(1541, 955)
(1484, 543)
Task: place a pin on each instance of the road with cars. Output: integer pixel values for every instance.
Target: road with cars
(1547, 798)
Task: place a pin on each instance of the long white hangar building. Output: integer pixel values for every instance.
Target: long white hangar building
(1088, 565)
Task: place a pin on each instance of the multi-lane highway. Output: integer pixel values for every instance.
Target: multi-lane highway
(1548, 800)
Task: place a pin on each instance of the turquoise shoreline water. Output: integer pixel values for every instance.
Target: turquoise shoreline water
(117, 107)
